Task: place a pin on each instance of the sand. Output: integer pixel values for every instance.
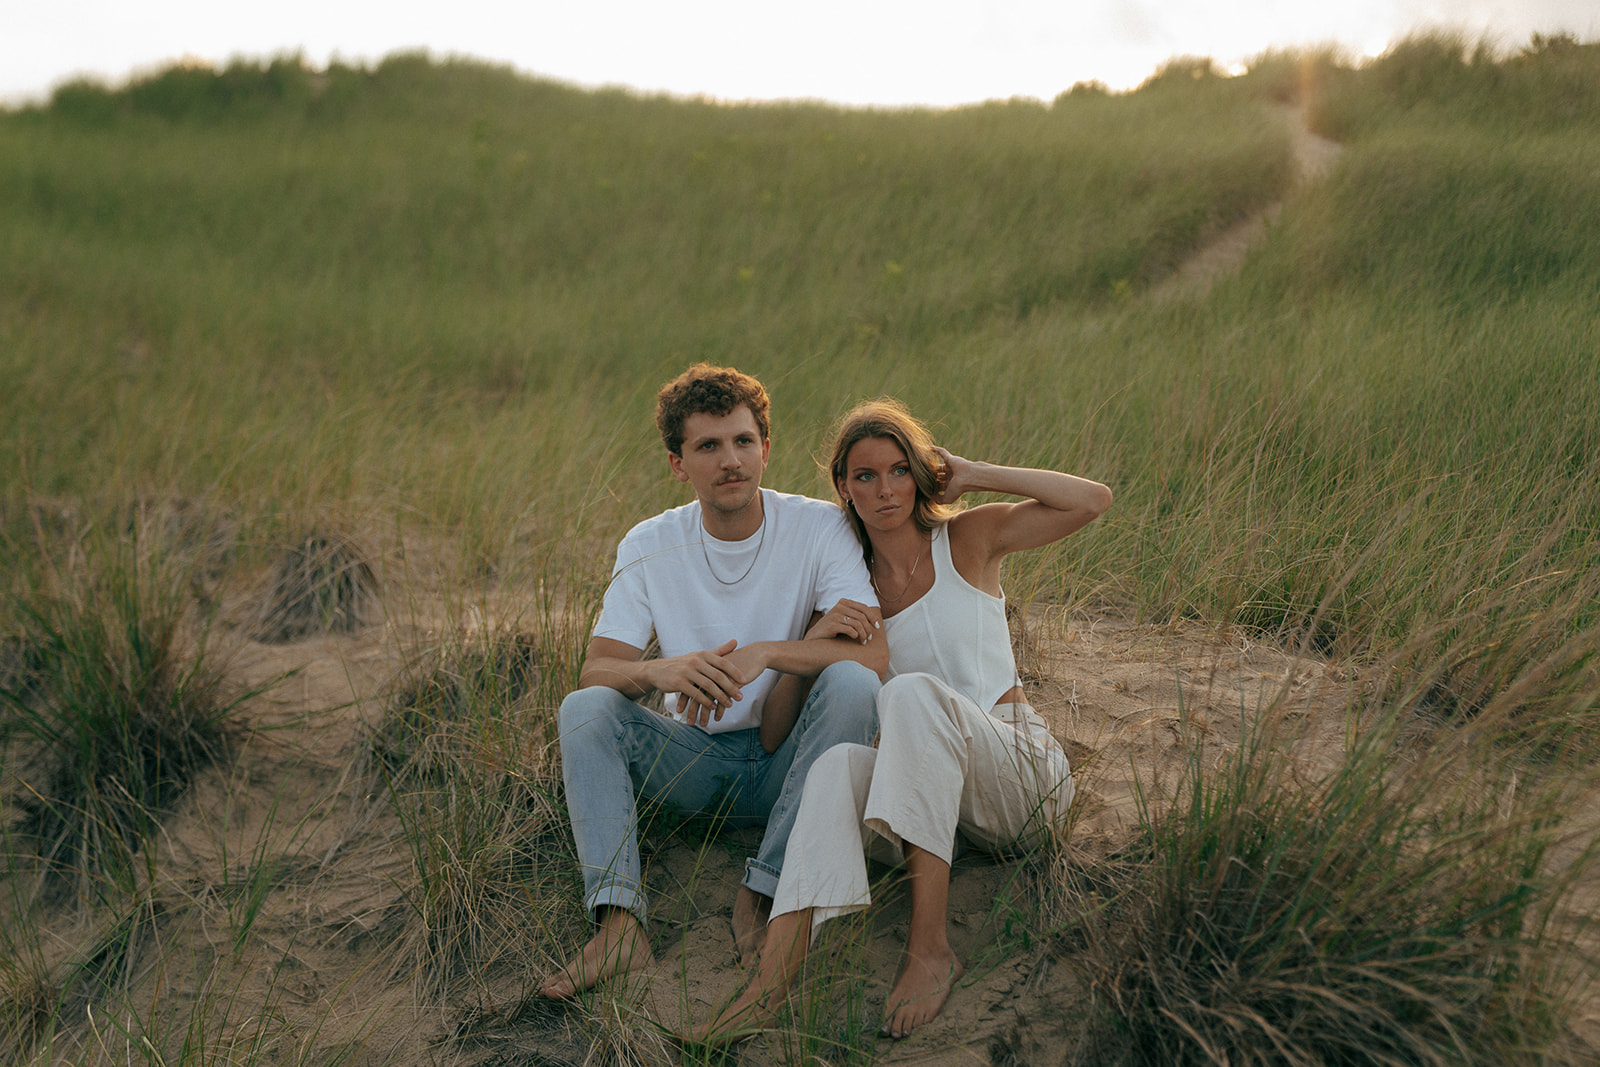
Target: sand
(1129, 702)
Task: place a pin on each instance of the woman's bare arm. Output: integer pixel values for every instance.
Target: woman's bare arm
(1057, 504)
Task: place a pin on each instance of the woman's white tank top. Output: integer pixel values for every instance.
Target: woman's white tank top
(956, 632)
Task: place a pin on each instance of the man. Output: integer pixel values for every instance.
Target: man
(729, 585)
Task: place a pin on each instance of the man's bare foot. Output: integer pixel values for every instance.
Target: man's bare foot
(750, 913)
(923, 986)
(618, 947)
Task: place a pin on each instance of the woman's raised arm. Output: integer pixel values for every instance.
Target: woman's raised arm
(1055, 505)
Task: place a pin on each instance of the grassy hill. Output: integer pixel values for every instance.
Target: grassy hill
(430, 303)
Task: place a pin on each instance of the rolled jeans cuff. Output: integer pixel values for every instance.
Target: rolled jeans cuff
(618, 895)
(760, 878)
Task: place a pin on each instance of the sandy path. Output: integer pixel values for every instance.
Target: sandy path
(1314, 156)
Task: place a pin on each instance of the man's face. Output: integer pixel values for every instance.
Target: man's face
(723, 458)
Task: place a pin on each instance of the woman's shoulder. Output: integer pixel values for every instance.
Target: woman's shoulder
(975, 523)
(973, 534)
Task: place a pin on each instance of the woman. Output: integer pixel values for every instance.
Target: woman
(960, 749)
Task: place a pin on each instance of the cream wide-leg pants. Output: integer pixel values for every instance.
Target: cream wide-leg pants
(942, 765)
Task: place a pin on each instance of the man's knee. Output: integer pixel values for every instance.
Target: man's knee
(588, 709)
(847, 682)
(844, 704)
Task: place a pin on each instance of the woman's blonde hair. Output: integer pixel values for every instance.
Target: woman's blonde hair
(886, 417)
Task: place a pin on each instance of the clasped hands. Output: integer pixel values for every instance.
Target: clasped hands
(710, 682)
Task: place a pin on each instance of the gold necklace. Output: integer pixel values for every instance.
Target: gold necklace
(909, 578)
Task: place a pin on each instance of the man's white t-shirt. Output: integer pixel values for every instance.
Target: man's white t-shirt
(695, 592)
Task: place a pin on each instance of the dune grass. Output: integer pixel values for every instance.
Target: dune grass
(467, 756)
(426, 306)
(1384, 914)
(118, 708)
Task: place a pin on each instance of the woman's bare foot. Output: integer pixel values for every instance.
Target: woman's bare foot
(923, 986)
(620, 946)
(750, 913)
(783, 954)
(750, 1013)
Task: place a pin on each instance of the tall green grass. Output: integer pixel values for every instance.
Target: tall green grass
(455, 248)
(377, 286)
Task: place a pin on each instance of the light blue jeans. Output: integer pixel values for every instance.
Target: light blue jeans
(614, 750)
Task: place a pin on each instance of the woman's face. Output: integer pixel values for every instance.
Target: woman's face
(878, 484)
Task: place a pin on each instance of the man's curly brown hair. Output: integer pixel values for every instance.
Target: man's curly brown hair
(708, 390)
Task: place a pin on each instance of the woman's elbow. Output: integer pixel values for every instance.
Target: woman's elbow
(1100, 499)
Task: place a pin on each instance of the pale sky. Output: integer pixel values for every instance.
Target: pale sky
(885, 52)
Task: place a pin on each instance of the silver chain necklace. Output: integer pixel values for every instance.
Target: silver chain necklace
(747, 570)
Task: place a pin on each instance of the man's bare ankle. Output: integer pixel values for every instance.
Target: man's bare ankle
(619, 946)
(617, 921)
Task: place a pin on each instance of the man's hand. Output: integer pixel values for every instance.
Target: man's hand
(848, 618)
(709, 682)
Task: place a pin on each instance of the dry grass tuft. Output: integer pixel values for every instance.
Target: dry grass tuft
(442, 689)
(321, 586)
(28, 1003)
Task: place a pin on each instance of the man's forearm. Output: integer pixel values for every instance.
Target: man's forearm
(627, 677)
